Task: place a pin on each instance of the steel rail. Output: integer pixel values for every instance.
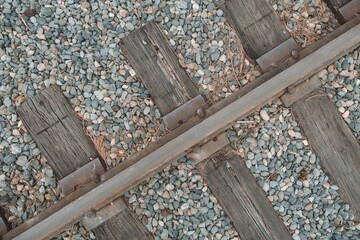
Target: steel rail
(181, 129)
(209, 127)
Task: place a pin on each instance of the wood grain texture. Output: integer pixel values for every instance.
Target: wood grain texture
(333, 142)
(3, 223)
(336, 4)
(241, 198)
(124, 226)
(126, 175)
(155, 63)
(57, 131)
(54, 126)
(256, 24)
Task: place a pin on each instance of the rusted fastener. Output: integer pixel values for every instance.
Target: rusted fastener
(91, 213)
(89, 172)
(95, 178)
(196, 149)
(291, 89)
(200, 112)
(295, 54)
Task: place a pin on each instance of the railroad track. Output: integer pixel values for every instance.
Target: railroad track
(93, 194)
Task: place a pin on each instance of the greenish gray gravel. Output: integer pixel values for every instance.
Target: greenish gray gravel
(75, 44)
(281, 160)
(342, 84)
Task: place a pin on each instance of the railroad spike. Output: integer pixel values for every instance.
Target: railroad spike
(200, 112)
(95, 178)
(291, 89)
(91, 213)
(295, 54)
(196, 149)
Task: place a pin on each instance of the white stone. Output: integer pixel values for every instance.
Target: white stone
(132, 72)
(266, 187)
(185, 206)
(146, 110)
(264, 115)
(291, 133)
(306, 183)
(322, 73)
(41, 67)
(222, 58)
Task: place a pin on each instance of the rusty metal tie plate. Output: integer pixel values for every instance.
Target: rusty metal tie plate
(209, 148)
(350, 10)
(184, 112)
(89, 172)
(104, 214)
(275, 55)
(300, 90)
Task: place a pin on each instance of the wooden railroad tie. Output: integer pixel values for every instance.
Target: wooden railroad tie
(264, 38)
(333, 142)
(344, 10)
(198, 132)
(241, 198)
(155, 63)
(59, 134)
(321, 122)
(255, 220)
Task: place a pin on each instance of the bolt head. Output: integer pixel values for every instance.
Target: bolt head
(200, 112)
(291, 89)
(295, 54)
(91, 213)
(95, 178)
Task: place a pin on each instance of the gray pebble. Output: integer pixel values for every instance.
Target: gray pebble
(22, 161)
(8, 159)
(129, 26)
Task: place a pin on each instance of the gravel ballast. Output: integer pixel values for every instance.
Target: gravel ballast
(281, 160)
(342, 84)
(177, 204)
(75, 44)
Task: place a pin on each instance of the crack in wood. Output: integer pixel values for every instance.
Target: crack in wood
(168, 70)
(51, 125)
